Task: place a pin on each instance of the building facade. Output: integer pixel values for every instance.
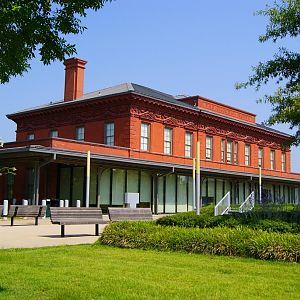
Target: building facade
(142, 140)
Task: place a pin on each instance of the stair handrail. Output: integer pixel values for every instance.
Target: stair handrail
(223, 205)
(248, 204)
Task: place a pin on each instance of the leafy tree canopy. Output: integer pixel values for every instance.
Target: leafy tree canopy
(38, 26)
(284, 22)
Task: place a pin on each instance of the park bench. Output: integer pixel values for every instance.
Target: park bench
(129, 214)
(26, 211)
(76, 216)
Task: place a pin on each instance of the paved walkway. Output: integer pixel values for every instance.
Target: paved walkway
(24, 234)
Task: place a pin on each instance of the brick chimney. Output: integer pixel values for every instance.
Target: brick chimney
(74, 78)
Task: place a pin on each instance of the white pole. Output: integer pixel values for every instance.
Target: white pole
(88, 172)
(66, 203)
(194, 184)
(25, 202)
(260, 195)
(78, 203)
(44, 203)
(61, 203)
(198, 190)
(5, 208)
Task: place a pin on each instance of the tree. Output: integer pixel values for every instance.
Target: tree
(38, 26)
(7, 170)
(284, 68)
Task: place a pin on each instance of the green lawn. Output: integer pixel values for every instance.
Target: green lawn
(100, 272)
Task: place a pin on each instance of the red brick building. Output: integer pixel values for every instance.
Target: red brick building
(142, 140)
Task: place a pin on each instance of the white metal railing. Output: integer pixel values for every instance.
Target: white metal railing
(248, 204)
(223, 205)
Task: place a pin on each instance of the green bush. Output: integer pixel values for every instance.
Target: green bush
(264, 218)
(285, 212)
(242, 242)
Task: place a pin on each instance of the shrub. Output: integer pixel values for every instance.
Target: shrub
(240, 241)
(275, 220)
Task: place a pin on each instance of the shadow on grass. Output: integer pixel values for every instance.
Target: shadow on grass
(2, 289)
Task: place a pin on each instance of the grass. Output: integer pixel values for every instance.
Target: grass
(101, 272)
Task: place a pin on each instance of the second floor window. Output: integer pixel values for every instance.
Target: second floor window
(79, 134)
(229, 152)
(223, 143)
(145, 137)
(272, 160)
(235, 153)
(30, 136)
(208, 147)
(260, 157)
(168, 140)
(53, 133)
(109, 134)
(188, 144)
(247, 155)
(283, 162)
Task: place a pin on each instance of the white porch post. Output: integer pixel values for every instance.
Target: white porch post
(88, 173)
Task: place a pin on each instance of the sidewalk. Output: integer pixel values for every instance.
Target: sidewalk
(24, 234)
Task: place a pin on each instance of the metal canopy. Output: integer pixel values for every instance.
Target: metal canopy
(37, 153)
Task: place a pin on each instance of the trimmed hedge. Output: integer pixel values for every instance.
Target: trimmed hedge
(242, 242)
(273, 220)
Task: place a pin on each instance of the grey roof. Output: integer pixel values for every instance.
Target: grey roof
(145, 91)
(139, 90)
(271, 129)
(111, 91)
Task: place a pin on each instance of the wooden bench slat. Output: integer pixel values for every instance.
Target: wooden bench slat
(76, 215)
(35, 211)
(129, 214)
(81, 221)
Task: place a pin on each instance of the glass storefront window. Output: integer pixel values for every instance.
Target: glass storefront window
(118, 187)
(170, 193)
(132, 181)
(146, 186)
(105, 183)
(65, 178)
(182, 193)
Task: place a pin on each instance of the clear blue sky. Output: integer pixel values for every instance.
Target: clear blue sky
(179, 47)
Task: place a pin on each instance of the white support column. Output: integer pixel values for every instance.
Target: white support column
(88, 173)
(260, 191)
(198, 189)
(194, 184)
